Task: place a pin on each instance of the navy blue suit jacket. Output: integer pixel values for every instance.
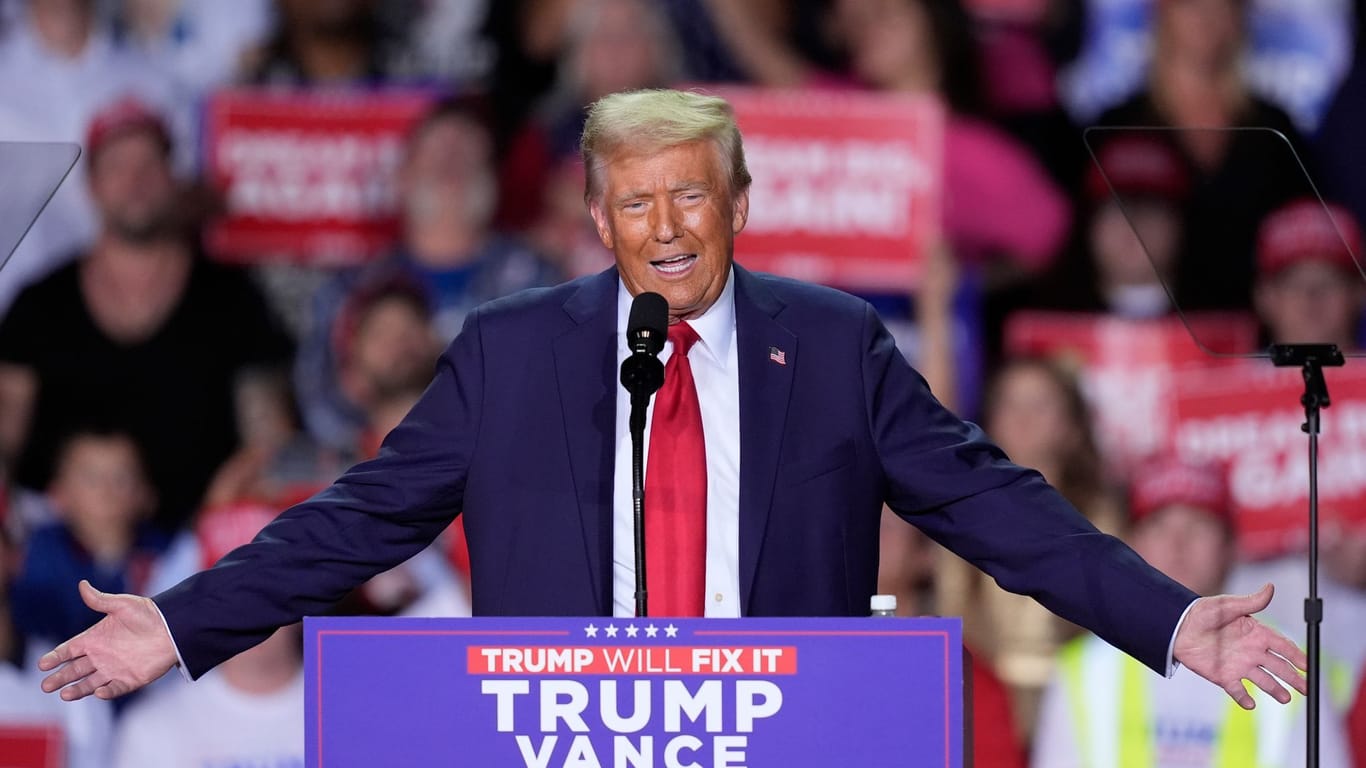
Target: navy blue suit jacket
(517, 432)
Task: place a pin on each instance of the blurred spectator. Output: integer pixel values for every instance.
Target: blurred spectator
(200, 43)
(1309, 289)
(1341, 162)
(57, 48)
(1197, 86)
(1036, 413)
(1297, 53)
(1103, 708)
(81, 729)
(925, 47)
(141, 333)
(102, 501)
(609, 46)
(564, 232)
(386, 353)
(447, 192)
(322, 43)
(248, 711)
(1128, 252)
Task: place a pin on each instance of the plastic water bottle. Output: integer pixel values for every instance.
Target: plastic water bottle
(884, 605)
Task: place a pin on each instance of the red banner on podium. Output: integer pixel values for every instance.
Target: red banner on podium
(1126, 368)
(846, 184)
(1246, 415)
(307, 176)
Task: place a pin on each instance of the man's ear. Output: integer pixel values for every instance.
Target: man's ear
(600, 222)
(739, 211)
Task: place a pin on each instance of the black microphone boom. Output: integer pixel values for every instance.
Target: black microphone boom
(642, 375)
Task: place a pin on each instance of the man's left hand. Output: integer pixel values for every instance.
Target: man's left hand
(1221, 642)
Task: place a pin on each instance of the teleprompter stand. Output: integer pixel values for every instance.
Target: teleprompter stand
(1311, 359)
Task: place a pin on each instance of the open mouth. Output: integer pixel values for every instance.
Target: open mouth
(674, 265)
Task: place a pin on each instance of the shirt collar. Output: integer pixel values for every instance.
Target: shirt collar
(715, 327)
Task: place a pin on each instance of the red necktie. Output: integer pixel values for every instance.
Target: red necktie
(676, 490)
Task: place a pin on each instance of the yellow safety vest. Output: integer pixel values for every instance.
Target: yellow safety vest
(1108, 693)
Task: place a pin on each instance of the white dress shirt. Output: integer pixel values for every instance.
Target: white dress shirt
(716, 373)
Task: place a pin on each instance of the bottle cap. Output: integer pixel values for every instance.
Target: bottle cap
(884, 602)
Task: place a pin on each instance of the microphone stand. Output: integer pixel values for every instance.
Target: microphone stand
(639, 402)
(1311, 359)
(642, 374)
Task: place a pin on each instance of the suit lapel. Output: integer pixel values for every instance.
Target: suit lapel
(767, 356)
(585, 366)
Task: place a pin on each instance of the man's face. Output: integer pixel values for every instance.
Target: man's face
(1311, 302)
(1139, 254)
(131, 182)
(1187, 543)
(670, 218)
(100, 483)
(448, 172)
(394, 348)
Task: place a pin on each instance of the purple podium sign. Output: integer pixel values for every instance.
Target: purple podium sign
(633, 693)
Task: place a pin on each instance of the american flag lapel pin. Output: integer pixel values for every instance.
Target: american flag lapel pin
(777, 355)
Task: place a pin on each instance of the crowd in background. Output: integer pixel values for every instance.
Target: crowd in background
(158, 406)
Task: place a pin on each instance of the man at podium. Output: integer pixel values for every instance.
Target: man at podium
(787, 419)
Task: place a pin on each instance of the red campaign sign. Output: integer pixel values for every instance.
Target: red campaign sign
(1246, 415)
(32, 746)
(846, 184)
(306, 176)
(1126, 368)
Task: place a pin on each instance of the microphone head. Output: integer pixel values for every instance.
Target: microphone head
(648, 325)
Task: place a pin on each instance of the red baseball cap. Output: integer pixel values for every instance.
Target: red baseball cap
(225, 527)
(1138, 164)
(1303, 231)
(120, 117)
(1164, 481)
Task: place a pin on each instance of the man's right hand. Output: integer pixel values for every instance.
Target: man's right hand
(124, 651)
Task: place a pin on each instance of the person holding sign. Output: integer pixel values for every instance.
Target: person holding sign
(797, 419)
(1101, 706)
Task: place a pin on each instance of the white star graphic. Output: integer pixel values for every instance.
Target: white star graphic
(590, 631)
(631, 630)
(671, 631)
(651, 630)
(611, 630)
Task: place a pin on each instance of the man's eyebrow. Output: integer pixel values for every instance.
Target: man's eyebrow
(628, 195)
(685, 186)
(682, 186)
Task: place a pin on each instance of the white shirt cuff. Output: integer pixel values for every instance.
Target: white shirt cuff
(180, 663)
(1172, 663)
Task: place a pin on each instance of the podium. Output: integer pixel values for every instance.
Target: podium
(634, 693)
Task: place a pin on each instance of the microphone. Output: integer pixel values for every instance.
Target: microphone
(642, 375)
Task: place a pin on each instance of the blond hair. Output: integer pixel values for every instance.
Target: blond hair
(657, 118)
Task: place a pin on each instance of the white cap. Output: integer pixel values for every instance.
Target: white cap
(884, 602)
